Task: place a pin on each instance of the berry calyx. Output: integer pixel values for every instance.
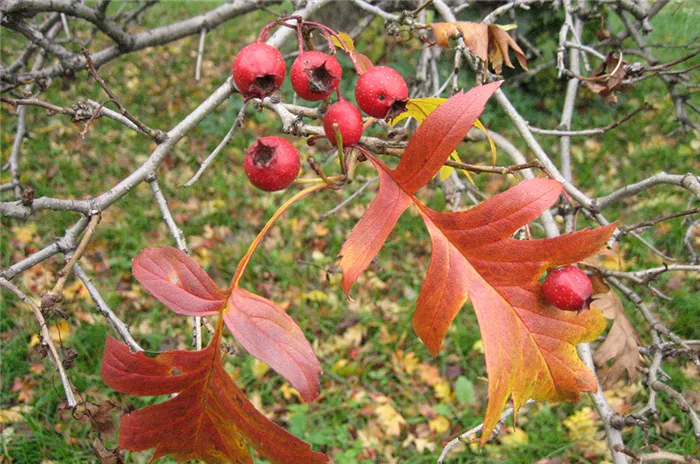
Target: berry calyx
(568, 288)
(315, 75)
(381, 92)
(271, 163)
(258, 70)
(349, 120)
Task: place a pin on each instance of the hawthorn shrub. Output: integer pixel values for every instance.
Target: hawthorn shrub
(541, 343)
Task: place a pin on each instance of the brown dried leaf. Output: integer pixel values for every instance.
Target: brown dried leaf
(489, 42)
(622, 342)
(608, 77)
(499, 41)
(476, 38)
(106, 455)
(443, 32)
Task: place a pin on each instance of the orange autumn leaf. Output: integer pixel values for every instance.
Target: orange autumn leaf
(490, 42)
(209, 419)
(530, 346)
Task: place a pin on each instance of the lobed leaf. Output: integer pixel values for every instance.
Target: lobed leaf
(530, 346)
(209, 419)
(439, 135)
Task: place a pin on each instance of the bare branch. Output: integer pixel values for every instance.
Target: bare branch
(45, 340)
(200, 54)
(116, 323)
(466, 436)
(688, 181)
(345, 202)
(175, 231)
(227, 138)
(157, 36)
(157, 135)
(588, 132)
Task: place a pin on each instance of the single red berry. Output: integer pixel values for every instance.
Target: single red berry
(568, 288)
(271, 164)
(258, 70)
(381, 92)
(349, 121)
(315, 75)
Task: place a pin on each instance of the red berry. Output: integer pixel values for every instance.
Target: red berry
(315, 75)
(568, 288)
(381, 92)
(349, 121)
(271, 164)
(258, 70)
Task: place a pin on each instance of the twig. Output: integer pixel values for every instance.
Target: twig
(355, 194)
(376, 11)
(688, 240)
(227, 138)
(654, 324)
(587, 132)
(501, 10)
(200, 54)
(65, 244)
(688, 181)
(36, 102)
(657, 456)
(66, 29)
(567, 115)
(651, 222)
(82, 246)
(157, 135)
(466, 436)
(116, 323)
(16, 147)
(45, 340)
(604, 409)
(175, 231)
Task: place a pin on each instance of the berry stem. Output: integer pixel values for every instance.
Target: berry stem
(341, 152)
(280, 22)
(327, 31)
(300, 37)
(317, 169)
(316, 180)
(246, 259)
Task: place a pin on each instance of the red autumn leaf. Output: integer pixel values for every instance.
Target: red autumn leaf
(269, 334)
(262, 328)
(178, 282)
(209, 419)
(529, 345)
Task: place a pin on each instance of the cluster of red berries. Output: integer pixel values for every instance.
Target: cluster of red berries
(272, 163)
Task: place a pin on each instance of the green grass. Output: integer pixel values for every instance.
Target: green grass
(221, 214)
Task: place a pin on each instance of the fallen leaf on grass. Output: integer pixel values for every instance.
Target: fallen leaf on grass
(14, 414)
(390, 418)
